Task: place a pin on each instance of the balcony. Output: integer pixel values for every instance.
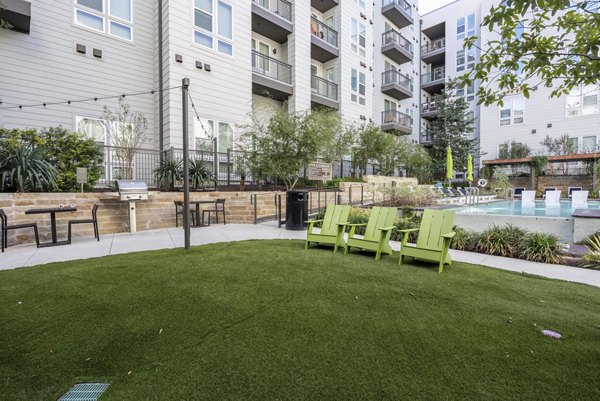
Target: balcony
(324, 92)
(323, 41)
(397, 11)
(396, 122)
(426, 138)
(271, 77)
(429, 110)
(434, 82)
(272, 18)
(17, 13)
(324, 5)
(396, 85)
(396, 47)
(434, 52)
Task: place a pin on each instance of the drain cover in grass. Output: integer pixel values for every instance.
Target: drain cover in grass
(85, 392)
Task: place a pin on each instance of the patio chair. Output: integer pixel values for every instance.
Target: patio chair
(553, 198)
(377, 233)
(528, 199)
(573, 189)
(435, 235)
(549, 189)
(216, 211)
(579, 198)
(93, 221)
(517, 191)
(178, 212)
(5, 227)
(332, 227)
(462, 191)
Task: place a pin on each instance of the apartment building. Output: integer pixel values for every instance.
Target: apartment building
(526, 121)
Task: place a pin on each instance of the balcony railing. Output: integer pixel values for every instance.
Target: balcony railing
(401, 3)
(395, 77)
(282, 8)
(393, 37)
(429, 107)
(434, 76)
(324, 87)
(396, 117)
(324, 32)
(270, 67)
(435, 45)
(427, 137)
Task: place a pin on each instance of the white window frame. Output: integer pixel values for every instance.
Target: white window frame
(107, 19)
(356, 39)
(512, 119)
(216, 38)
(200, 128)
(468, 29)
(580, 94)
(468, 92)
(356, 96)
(361, 4)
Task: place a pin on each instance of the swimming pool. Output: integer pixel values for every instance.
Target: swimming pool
(515, 208)
(556, 220)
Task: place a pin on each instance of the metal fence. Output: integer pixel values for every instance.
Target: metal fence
(141, 164)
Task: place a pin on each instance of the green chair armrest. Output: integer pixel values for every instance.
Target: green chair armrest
(343, 224)
(449, 235)
(409, 230)
(313, 221)
(387, 228)
(356, 225)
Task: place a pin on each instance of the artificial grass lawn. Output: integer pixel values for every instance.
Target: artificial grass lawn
(266, 320)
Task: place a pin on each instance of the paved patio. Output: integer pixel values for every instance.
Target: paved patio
(113, 244)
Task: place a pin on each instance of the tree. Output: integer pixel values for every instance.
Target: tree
(514, 150)
(450, 127)
(560, 146)
(554, 43)
(418, 163)
(372, 145)
(283, 144)
(126, 130)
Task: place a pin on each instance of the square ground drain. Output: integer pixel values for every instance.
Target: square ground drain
(85, 392)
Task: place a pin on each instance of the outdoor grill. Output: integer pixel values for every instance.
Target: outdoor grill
(132, 191)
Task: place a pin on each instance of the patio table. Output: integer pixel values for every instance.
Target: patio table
(52, 211)
(197, 204)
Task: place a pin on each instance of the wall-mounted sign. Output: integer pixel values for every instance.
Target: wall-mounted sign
(319, 171)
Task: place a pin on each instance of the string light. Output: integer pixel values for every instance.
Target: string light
(70, 102)
(210, 135)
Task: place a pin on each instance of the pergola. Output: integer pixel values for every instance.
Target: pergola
(588, 157)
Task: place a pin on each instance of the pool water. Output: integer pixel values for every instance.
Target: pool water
(514, 208)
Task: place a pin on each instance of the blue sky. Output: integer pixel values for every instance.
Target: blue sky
(426, 6)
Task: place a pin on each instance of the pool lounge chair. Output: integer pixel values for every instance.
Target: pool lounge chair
(518, 191)
(573, 189)
(547, 189)
(462, 191)
(552, 198)
(527, 199)
(579, 198)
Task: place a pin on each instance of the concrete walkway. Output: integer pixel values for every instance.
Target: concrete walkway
(113, 244)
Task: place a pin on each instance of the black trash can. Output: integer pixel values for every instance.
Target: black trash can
(296, 210)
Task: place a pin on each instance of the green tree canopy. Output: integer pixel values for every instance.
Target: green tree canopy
(451, 127)
(554, 43)
(372, 145)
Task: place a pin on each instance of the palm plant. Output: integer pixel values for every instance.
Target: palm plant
(169, 173)
(25, 168)
(201, 174)
(592, 259)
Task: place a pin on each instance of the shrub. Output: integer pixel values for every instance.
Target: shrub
(592, 259)
(408, 195)
(464, 240)
(543, 247)
(25, 169)
(201, 174)
(169, 173)
(495, 241)
(405, 223)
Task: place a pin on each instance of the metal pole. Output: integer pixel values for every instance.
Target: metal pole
(185, 83)
(228, 167)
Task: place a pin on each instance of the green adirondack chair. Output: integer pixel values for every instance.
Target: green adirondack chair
(332, 227)
(434, 238)
(377, 234)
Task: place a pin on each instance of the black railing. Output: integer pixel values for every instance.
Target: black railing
(282, 8)
(394, 37)
(396, 117)
(433, 76)
(427, 137)
(401, 3)
(395, 77)
(323, 87)
(270, 67)
(433, 46)
(324, 32)
(429, 107)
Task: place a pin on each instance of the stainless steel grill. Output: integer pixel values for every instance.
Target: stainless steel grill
(132, 190)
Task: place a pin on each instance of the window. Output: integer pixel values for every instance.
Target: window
(358, 87)
(583, 101)
(503, 151)
(513, 111)
(359, 38)
(203, 134)
(112, 17)
(467, 92)
(588, 144)
(465, 26)
(465, 62)
(92, 128)
(460, 60)
(213, 25)
(361, 3)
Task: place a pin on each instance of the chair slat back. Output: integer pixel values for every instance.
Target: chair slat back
(380, 217)
(333, 215)
(434, 224)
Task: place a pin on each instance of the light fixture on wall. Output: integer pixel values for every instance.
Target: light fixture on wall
(274, 51)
